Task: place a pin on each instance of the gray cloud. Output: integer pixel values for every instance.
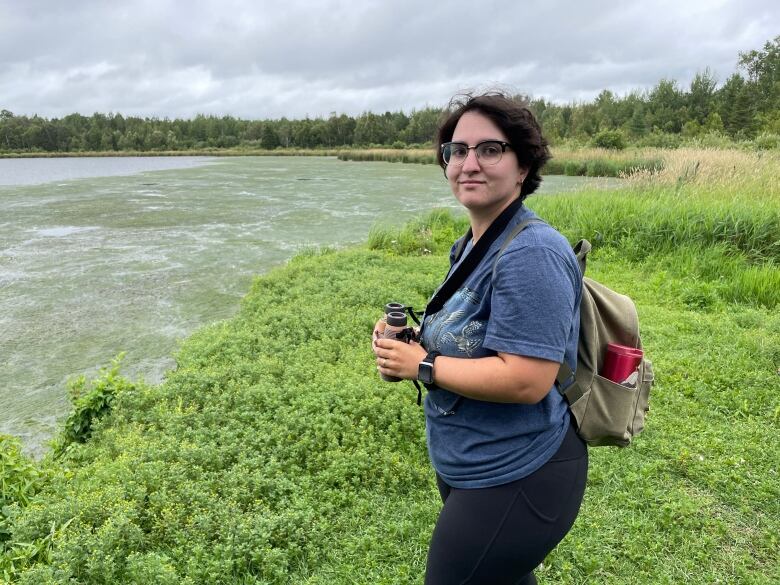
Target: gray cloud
(295, 58)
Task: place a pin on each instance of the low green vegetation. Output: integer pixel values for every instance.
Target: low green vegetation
(91, 400)
(273, 454)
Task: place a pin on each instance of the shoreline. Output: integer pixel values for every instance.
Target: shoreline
(586, 162)
(335, 151)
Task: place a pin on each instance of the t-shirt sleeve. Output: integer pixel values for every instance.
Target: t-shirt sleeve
(533, 303)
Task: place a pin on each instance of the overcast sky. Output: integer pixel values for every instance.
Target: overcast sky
(265, 59)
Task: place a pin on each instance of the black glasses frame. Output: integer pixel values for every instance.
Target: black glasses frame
(504, 146)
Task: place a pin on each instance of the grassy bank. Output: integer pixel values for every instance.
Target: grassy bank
(274, 454)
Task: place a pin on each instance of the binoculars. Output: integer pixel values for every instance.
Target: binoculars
(397, 328)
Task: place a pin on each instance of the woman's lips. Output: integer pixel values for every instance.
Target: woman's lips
(471, 182)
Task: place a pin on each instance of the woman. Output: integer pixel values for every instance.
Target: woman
(509, 465)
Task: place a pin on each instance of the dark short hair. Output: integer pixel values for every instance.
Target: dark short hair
(514, 119)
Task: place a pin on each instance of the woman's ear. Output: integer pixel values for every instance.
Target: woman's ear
(521, 175)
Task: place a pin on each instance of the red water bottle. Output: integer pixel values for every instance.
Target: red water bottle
(620, 362)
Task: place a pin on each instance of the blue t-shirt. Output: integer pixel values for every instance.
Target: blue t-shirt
(529, 307)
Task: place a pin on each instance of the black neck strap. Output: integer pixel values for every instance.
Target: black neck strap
(458, 277)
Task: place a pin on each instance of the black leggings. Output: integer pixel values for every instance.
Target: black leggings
(498, 535)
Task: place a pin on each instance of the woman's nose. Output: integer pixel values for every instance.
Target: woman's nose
(472, 162)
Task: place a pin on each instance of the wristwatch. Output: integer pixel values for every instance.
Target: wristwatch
(425, 369)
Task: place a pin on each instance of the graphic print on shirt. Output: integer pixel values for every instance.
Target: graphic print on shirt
(438, 322)
(467, 342)
(445, 330)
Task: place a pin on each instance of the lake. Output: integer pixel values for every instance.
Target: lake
(106, 255)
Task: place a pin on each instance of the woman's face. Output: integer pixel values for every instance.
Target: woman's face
(483, 189)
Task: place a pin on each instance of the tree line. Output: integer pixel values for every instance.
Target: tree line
(744, 107)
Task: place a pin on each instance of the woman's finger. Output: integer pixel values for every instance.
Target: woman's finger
(386, 343)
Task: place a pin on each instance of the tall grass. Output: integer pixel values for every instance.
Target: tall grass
(663, 221)
(728, 238)
(432, 234)
(425, 156)
(600, 163)
(716, 174)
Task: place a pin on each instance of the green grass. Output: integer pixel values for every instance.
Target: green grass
(434, 233)
(653, 221)
(273, 454)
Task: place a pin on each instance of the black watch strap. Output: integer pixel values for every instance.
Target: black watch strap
(425, 369)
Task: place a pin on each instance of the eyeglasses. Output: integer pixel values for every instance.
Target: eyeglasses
(489, 152)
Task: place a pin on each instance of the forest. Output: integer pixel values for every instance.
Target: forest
(744, 108)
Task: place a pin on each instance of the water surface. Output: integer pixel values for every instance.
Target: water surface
(134, 261)
(36, 171)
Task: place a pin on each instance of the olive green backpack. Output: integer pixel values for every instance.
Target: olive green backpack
(606, 413)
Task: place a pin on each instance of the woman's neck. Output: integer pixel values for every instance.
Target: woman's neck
(480, 222)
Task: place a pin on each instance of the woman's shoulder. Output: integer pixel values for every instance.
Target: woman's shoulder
(540, 234)
(541, 249)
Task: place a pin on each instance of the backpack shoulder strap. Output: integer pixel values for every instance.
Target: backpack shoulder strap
(581, 250)
(511, 236)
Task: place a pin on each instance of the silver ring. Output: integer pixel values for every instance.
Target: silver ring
(384, 362)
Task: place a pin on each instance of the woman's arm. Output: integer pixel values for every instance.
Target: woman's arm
(501, 378)
(533, 304)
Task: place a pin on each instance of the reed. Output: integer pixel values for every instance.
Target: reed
(599, 162)
(418, 156)
(715, 173)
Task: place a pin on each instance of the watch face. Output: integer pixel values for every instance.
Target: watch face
(425, 373)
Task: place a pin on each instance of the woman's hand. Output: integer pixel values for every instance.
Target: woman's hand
(397, 358)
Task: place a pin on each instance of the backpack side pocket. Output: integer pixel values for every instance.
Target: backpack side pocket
(609, 413)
